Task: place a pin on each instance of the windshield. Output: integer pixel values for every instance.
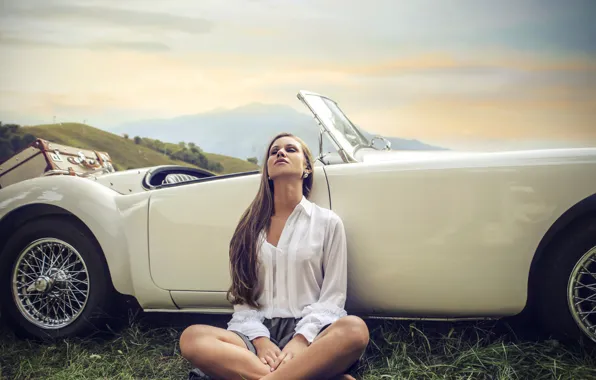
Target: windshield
(335, 121)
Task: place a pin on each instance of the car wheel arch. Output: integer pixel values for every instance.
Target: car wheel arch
(574, 216)
(571, 219)
(24, 214)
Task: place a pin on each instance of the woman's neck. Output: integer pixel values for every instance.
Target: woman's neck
(286, 196)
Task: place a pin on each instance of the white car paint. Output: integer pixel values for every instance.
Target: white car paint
(453, 236)
(124, 182)
(189, 250)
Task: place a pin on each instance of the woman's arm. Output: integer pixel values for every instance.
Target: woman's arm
(331, 303)
(248, 321)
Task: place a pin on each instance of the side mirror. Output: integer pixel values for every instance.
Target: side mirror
(387, 145)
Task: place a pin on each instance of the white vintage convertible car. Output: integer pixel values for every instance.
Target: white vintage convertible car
(437, 235)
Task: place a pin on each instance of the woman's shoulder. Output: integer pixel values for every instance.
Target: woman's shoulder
(326, 214)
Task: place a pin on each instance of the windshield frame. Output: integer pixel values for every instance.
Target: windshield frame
(319, 105)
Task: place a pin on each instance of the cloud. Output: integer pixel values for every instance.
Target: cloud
(359, 32)
(484, 63)
(388, 84)
(60, 25)
(17, 41)
(140, 46)
(537, 115)
(137, 46)
(105, 16)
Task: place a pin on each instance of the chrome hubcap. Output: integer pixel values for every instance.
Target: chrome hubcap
(50, 283)
(582, 293)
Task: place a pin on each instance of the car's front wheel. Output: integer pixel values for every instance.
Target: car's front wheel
(566, 284)
(53, 281)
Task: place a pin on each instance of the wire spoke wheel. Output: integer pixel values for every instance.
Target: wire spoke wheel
(50, 283)
(582, 293)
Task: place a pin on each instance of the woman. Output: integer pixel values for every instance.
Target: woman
(288, 261)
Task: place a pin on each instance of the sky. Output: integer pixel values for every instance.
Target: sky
(466, 74)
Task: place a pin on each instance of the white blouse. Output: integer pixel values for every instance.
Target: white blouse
(304, 277)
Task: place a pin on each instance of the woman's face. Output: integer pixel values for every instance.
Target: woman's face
(286, 159)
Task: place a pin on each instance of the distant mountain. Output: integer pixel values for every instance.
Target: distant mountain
(244, 131)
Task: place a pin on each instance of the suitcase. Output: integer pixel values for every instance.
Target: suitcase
(47, 158)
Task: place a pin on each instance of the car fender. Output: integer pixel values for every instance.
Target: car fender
(95, 205)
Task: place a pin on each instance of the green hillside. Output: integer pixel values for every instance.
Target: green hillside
(124, 152)
(231, 164)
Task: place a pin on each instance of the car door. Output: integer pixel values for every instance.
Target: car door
(190, 227)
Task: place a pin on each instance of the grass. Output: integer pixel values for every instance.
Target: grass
(148, 349)
(125, 153)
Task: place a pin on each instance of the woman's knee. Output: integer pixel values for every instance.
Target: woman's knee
(354, 329)
(191, 337)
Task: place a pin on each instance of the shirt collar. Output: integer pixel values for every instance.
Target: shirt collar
(306, 205)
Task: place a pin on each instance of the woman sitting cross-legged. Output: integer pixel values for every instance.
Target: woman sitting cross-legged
(288, 261)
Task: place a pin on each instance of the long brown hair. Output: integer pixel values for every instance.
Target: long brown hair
(244, 261)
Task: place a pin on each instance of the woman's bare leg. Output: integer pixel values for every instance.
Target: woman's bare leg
(331, 353)
(220, 353)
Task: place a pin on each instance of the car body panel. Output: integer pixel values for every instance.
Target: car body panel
(124, 182)
(452, 236)
(190, 228)
(134, 180)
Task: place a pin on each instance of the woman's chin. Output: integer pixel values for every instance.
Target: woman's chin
(285, 175)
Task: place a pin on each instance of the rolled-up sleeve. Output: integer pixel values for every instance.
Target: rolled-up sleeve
(248, 321)
(330, 306)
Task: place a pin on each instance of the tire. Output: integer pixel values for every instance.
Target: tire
(53, 288)
(561, 285)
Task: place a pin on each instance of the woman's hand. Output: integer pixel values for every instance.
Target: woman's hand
(293, 348)
(267, 351)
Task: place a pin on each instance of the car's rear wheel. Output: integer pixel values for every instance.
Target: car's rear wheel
(566, 284)
(53, 281)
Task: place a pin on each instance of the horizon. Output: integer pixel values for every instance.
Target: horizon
(467, 75)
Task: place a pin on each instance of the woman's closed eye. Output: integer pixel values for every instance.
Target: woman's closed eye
(290, 149)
